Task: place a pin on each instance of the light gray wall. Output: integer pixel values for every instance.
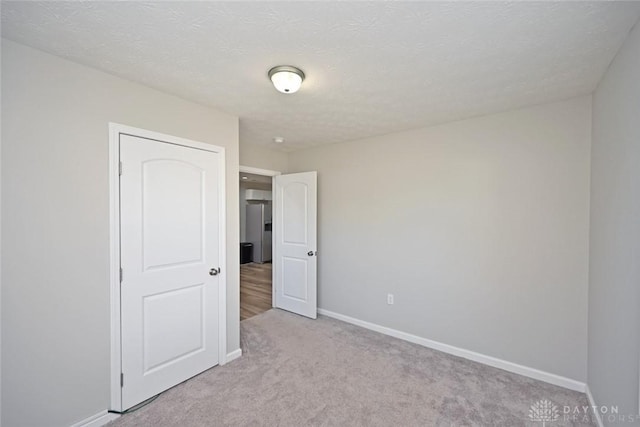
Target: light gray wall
(479, 228)
(263, 158)
(0, 245)
(55, 221)
(614, 268)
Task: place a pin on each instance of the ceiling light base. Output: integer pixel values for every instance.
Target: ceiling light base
(286, 78)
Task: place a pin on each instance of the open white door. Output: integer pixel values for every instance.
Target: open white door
(295, 257)
(170, 219)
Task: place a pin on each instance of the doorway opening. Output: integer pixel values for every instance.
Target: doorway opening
(286, 233)
(256, 213)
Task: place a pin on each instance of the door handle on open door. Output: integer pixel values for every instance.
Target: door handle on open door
(214, 271)
(311, 253)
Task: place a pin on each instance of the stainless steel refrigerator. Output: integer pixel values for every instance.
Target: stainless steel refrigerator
(259, 231)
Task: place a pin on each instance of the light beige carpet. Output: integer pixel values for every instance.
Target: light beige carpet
(300, 372)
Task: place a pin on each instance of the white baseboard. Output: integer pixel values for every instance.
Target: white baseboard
(592, 403)
(234, 355)
(466, 354)
(97, 420)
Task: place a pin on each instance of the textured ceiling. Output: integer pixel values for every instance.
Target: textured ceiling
(372, 67)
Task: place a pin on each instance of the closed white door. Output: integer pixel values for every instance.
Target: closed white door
(170, 263)
(295, 258)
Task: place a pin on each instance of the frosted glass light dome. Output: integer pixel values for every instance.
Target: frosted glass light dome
(286, 79)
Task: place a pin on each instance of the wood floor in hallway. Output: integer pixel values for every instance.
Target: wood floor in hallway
(255, 289)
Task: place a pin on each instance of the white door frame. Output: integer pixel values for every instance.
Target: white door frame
(274, 228)
(114, 238)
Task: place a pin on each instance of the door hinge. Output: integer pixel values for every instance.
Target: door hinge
(120, 274)
(121, 379)
(120, 168)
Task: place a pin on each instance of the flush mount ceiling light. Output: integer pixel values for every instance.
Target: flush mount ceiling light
(286, 79)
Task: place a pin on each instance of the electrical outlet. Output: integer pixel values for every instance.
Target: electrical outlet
(390, 299)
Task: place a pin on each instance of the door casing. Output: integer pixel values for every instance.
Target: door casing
(115, 130)
(274, 230)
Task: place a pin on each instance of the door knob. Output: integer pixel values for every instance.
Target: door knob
(310, 253)
(214, 271)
